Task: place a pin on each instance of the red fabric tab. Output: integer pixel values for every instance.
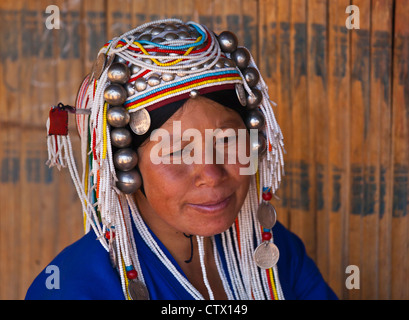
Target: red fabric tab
(58, 122)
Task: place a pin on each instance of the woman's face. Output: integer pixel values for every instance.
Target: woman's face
(199, 197)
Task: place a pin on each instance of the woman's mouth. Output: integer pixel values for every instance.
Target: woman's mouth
(212, 206)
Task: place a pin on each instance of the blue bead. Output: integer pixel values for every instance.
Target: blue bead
(129, 268)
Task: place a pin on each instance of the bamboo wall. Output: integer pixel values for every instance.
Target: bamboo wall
(343, 105)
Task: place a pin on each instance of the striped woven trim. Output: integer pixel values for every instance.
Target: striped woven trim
(157, 94)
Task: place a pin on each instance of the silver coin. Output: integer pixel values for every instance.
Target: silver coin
(267, 215)
(99, 65)
(112, 254)
(241, 94)
(140, 121)
(137, 290)
(266, 255)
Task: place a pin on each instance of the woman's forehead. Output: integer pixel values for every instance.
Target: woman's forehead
(201, 111)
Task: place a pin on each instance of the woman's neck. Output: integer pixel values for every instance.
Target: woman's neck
(184, 249)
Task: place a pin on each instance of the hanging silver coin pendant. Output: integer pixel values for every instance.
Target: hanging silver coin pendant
(140, 121)
(267, 215)
(99, 65)
(266, 255)
(137, 290)
(112, 254)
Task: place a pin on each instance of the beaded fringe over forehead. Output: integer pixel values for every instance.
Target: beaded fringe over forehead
(155, 64)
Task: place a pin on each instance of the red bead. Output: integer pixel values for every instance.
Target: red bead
(108, 234)
(131, 274)
(266, 236)
(267, 196)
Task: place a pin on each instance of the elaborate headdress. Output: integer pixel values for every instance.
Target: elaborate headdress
(144, 69)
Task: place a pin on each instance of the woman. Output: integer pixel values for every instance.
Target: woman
(181, 157)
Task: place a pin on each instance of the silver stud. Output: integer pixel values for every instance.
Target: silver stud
(156, 30)
(135, 69)
(125, 159)
(229, 63)
(170, 27)
(171, 36)
(183, 28)
(154, 80)
(119, 59)
(115, 94)
(194, 94)
(118, 73)
(183, 35)
(241, 57)
(228, 41)
(129, 181)
(252, 76)
(158, 40)
(145, 37)
(181, 73)
(220, 63)
(121, 137)
(140, 84)
(117, 116)
(130, 89)
(255, 119)
(254, 99)
(168, 77)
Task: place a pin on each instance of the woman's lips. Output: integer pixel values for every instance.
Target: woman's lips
(212, 206)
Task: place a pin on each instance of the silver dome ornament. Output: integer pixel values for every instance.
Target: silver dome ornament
(130, 89)
(135, 69)
(241, 57)
(157, 30)
(121, 137)
(115, 94)
(145, 37)
(194, 94)
(254, 99)
(158, 40)
(228, 41)
(140, 84)
(171, 36)
(262, 144)
(125, 159)
(168, 77)
(229, 63)
(255, 119)
(128, 181)
(118, 116)
(119, 59)
(251, 76)
(170, 27)
(183, 35)
(119, 73)
(140, 121)
(154, 80)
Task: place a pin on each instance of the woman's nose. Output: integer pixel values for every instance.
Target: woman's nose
(209, 175)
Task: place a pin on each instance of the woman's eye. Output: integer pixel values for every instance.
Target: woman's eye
(225, 140)
(177, 153)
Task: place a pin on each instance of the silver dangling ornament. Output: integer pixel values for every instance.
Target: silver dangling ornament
(137, 290)
(266, 255)
(140, 121)
(267, 215)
